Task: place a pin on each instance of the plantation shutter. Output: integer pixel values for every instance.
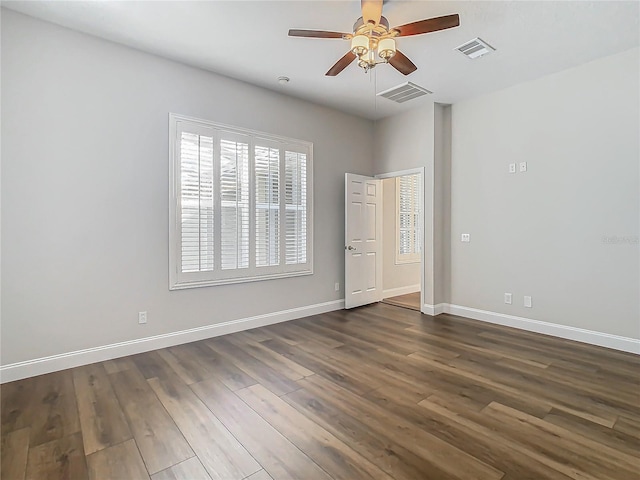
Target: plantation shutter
(267, 205)
(408, 212)
(196, 202)
(240, 205)
(295, 224)
(234, 203)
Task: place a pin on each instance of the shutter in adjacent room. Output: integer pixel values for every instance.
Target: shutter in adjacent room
(408, 198)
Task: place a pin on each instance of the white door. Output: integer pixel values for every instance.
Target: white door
(363, 240)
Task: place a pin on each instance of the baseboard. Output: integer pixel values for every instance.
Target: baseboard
(394, 292)
(591, 337)
(54, 363)
(433, 309)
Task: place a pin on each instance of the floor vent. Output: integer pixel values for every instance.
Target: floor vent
(475, 48)
(404, 92)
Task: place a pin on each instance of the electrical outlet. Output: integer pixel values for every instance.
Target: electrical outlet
(508, 298)
(337, 287)
(512, 168)
(523, 166)
(142, 317)
(465, 237)
(527, 301)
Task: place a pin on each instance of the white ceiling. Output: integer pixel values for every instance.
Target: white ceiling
(247, 40)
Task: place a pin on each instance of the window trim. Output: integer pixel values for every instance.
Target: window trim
(408, 258)
(178, 279)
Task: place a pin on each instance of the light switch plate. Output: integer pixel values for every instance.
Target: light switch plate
(508, 298)
(527, 301)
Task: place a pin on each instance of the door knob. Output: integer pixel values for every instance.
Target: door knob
(350, 248)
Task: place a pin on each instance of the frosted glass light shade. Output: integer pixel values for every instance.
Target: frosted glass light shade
(387, 48)
(360, 44)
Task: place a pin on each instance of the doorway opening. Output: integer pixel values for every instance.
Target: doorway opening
(402, 238)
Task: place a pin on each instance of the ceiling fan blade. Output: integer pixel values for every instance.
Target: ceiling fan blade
(401, 63)
(315, 34)
(341, 64)
(371, 10)
(428, 25)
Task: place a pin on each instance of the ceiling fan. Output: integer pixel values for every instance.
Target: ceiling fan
(371, 34)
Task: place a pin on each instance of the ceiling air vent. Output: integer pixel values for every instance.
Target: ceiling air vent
(475, 48)
(404, 92)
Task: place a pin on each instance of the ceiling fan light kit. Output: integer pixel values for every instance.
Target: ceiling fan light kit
(373, 42)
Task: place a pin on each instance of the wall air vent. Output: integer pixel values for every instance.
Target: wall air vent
(404, 92)
(475, 48)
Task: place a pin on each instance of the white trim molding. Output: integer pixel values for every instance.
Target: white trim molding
(394, 292)
(54, 363)
(601, 339)
(433, 310)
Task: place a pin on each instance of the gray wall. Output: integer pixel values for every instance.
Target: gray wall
(85, 190)
(400, 275)
(546, 232)
(442, 203)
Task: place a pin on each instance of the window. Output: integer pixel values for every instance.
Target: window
(240, 206)
(408, 210)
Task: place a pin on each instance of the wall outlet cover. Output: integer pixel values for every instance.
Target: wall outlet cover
(508, 298)
(527, 301)
(512, 168)
(523, 166)
(465, 237)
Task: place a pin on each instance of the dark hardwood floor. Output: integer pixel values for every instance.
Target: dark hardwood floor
(379, 392)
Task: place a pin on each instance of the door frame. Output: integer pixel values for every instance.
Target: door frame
(400, 173)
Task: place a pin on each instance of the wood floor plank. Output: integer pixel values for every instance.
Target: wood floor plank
(224, 458)
(478, 427)
(62, 459)
(190, 469)
(484, 446)
(261, 475)
(102, 420)
(409, 300)
(391, 457)
(277, 455)
(117, 365)
(320, 365)
(611, 437)
(159, 440)
(442, 454)
(15, 398)
(610, 460)
(118, 462)
(595, 413)
(628, 425)
(50, 409)
(267, 376)
(292, 370)
(334, 456)
(14, 449)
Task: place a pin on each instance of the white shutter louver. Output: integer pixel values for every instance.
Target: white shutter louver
(295, 196)
(408, 212)
(267, 179)
(234, 200)
(196, 202)
(240, 205)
